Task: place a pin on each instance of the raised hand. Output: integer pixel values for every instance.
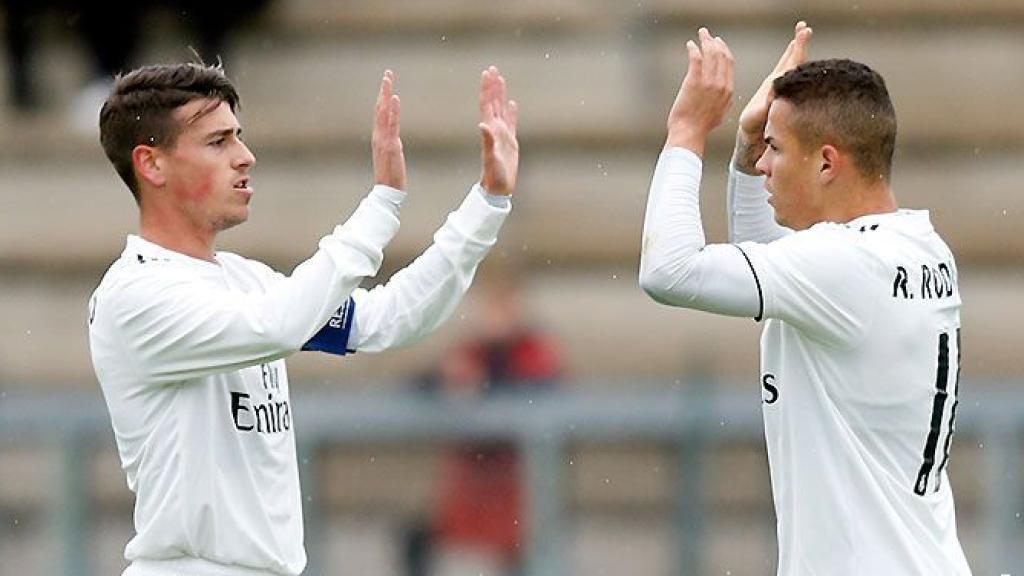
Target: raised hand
(705, 94)
(750, 136)
(388, 158)
(499, 149)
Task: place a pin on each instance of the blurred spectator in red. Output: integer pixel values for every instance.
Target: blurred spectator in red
(481, 506)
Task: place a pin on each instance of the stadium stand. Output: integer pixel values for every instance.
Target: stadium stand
(593, 79)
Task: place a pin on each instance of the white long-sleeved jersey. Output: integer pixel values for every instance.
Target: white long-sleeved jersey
(189, 355)
(860, 358)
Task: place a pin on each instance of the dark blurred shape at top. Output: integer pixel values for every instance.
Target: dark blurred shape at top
(112, 32)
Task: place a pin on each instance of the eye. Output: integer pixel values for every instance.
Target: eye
(218, 142)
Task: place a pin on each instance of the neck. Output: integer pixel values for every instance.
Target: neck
(861, 200)
(173, 232)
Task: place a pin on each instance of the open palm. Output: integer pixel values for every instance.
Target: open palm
(498, 146)
(755, 114)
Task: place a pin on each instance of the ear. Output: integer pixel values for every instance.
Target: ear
(149, 165)
(830, 163)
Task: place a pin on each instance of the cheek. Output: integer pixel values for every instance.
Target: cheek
(198, 185)
(203, 188)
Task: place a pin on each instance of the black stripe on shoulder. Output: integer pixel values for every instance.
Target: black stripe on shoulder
(757, 281)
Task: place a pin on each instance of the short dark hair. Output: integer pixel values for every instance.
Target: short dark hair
(845, 103)
(141, 105)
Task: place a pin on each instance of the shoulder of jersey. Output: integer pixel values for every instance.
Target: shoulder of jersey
(238, 261)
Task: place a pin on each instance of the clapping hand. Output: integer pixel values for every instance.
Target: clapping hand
(498, 146)
(750, 137)
(704, 96)
(388, 157)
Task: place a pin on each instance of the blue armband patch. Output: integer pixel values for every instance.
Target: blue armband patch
(333, 337)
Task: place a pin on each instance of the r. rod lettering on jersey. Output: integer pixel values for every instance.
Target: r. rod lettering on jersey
(935, 280)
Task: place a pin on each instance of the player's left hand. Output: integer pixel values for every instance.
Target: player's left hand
(498, 146)
(388, 157)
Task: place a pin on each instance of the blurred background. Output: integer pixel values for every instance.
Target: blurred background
(561, 423)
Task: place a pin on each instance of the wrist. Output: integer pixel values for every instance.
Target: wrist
(689, 137)
(747, 152)
(496, 200)
(493, 189)
(392, 196)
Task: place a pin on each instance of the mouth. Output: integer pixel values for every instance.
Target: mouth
(242, 185)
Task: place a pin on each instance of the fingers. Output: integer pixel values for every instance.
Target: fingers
(709, 50)
(714, 57)
(494, 101)
(394, 112)
(385, 89)
(801, 37)
(725, 74)
(512, 118)
(796, 51)
(696, 65)
(388, 105)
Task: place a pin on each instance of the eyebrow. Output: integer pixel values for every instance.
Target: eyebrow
(225, 132)
(769, 140)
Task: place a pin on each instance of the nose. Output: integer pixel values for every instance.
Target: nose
(245, 158)
(762, 164)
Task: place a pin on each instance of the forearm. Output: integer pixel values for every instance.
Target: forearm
(420, 297)
(751, 218)
(673, 231)
(179, 328)
(676, 267)
(747, 152)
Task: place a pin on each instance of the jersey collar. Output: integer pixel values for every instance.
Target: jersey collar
(138, 249)
(916, 219)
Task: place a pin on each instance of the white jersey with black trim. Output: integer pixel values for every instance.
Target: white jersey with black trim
(860, 362)
(189, 356)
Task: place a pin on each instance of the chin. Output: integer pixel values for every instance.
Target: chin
(231, 221)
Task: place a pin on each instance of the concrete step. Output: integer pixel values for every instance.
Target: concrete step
(610, 333)
(612, 86)
(609, 85)
(365, 16)
(573, 207)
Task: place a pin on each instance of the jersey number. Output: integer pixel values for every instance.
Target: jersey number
(938, 410)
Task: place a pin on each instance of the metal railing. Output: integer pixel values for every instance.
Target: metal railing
(691, 419)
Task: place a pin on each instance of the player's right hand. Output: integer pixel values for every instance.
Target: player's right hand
(704, 96)
(388, 157)
(750, 136)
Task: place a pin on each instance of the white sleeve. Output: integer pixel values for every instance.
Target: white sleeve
(175, 327)
(421, 296)
(819, 281)
(676, 267)
(751, 218)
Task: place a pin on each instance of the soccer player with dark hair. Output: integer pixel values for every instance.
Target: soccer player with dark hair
(188, 343)
(860, 354)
